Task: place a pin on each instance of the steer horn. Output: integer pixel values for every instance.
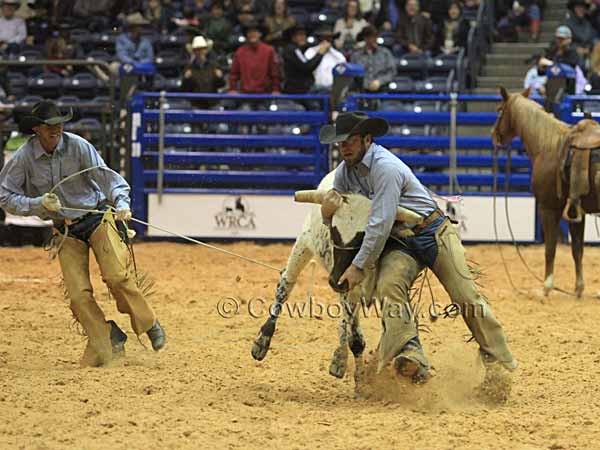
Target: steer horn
(316, 196)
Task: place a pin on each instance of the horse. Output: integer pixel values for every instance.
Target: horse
(550, 145)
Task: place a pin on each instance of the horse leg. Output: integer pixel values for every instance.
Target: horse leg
(576, 230)
(299, 258)
(339, 360)
(550, 225)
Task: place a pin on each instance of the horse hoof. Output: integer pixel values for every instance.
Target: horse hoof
(261, 347)
(579, 293)
(339, 363)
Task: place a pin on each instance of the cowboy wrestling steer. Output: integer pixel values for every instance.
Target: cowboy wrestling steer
(335, 250)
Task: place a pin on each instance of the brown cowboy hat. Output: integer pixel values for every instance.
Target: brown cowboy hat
(44, 112)
(350, 123)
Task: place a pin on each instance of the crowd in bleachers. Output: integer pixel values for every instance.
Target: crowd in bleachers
(247, 46)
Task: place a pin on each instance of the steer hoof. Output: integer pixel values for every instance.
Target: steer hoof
(339, 362)
(261, 347)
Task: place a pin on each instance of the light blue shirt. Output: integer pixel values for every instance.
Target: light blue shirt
(128, 51)
(388, 182)
(32, 172)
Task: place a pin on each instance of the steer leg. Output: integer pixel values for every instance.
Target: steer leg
(339, 360)
(300, 256)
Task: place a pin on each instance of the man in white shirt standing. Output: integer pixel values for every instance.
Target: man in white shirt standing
(12, 29)
(324, 71)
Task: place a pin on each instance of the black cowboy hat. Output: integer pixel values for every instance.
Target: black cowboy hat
(367, 31)
(289, 33)
(326, 33)
(44, 112)
(350, 123)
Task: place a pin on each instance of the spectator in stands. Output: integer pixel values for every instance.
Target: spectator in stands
(389, 14)
(594, 73)
(217, 27)
(455, 31)
(132, 47)
(97, 15)
(202, 75)
(278, 22)
(255, 68)
(56, 49)
(13, 30)
(436, 10)
(379, 63)
(324, 71)
(349, 26)
(298, 69)
(515, 21)
(469, 10)
(367, 7)
(582, 30)
(415, 31)
(250, 11)
(158, 15)
(536, 76)
(200, 8)
(562, 50)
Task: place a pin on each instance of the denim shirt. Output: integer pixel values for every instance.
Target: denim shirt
(388, 182)
(32, 172)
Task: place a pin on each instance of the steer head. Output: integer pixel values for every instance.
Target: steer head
(347, 229)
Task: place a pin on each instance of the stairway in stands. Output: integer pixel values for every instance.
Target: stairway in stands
(506, 66)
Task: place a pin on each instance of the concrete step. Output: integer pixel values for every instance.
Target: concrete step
(545, 37)
(552, 14)
(507, 59)
(519, 47)
(493, 70)
(508, 82)
(551, 25)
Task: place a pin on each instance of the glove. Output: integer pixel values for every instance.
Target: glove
(51, 202)
(123, 215)
(331, 202)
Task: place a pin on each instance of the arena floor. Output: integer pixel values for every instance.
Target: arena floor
(206, 391)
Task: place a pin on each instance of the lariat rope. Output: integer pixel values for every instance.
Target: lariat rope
(181, 236)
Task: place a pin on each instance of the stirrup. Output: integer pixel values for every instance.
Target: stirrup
(578, 218)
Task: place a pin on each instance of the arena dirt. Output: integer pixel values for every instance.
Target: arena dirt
(205, 390)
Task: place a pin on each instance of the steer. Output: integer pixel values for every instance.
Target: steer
(336, 247)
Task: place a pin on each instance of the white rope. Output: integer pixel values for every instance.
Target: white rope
(189, 239)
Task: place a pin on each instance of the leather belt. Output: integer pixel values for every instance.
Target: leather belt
(436, 214)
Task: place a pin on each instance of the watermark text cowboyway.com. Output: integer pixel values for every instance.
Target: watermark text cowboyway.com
(228, 307)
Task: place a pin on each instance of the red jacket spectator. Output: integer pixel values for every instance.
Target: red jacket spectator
(255, 66)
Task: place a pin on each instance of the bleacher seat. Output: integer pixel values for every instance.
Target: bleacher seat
(414, 66)
(175, 41)
(442, 64)
(28, 55)
(47, 84)
(83, 85)
(86, 124)
(100, 55)
(104, 41)
(29, 100)
(17, 84)
(433, 84)
(82, 37)
(161, 83)
(401, 84)
(169, 63)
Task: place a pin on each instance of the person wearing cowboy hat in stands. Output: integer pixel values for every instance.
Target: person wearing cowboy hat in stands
(13, 30)
(202, 74)
(373, 171)
(131, 46)
(297, 68)
(331, 58)
(255, 68)
(581, 28)
(562, 50)
(48, 157)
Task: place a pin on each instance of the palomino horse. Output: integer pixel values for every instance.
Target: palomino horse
(551, 144)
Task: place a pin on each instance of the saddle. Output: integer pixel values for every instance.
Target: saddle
(574, 167)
